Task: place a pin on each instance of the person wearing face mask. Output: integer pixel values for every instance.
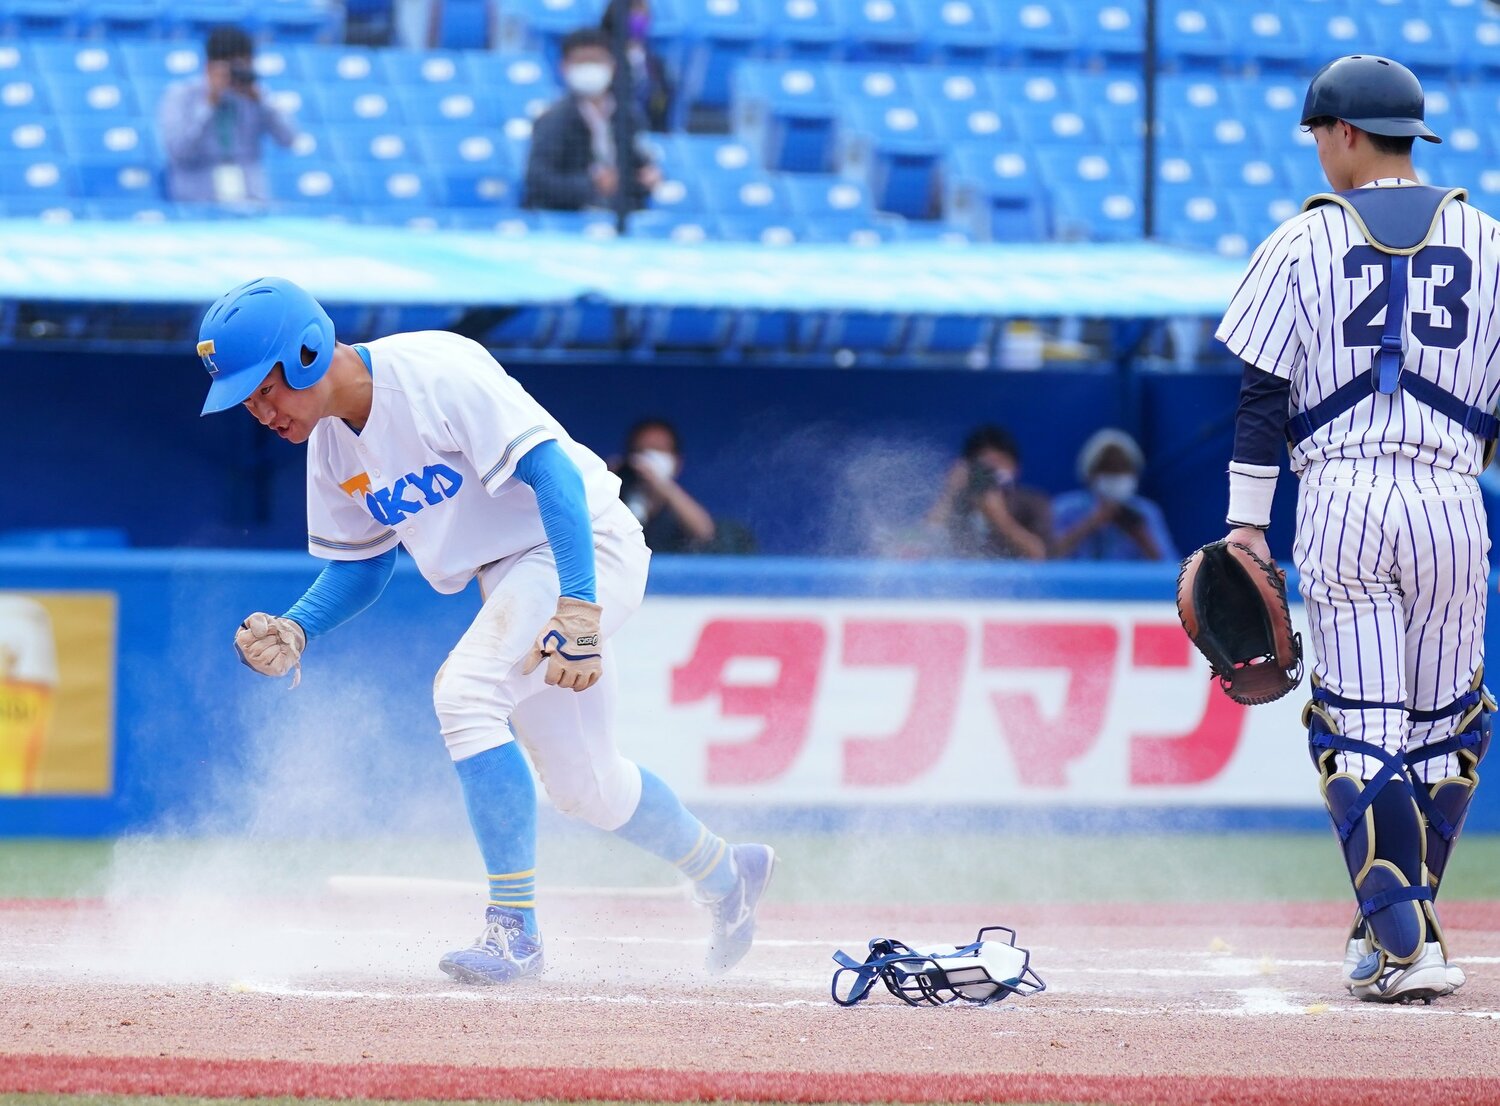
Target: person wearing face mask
(674, 522)
(651, 82)
(983, 510)
(1108, 520)
(574, 161)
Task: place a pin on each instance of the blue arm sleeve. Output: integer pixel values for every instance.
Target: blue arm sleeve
(565, 516)
(340, 592)
(1260, 423)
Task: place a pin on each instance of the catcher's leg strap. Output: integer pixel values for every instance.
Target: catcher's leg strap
(1445, 803)
(1380, 832)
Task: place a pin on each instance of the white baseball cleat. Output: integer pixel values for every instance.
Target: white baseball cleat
(1423, 980)
(1360, 947)
(734, 915)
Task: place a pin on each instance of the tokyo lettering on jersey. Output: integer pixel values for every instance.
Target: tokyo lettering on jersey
(433, 469)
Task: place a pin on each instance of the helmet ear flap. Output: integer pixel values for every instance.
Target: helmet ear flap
(314, 354)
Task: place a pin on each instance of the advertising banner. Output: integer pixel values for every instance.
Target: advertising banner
(840, 701)
(57, 673)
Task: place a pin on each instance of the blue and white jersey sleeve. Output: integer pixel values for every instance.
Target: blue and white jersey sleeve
(1260, 326)
(479, 410)
(339, 524)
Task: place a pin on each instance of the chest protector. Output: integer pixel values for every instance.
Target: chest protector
(1399, 222)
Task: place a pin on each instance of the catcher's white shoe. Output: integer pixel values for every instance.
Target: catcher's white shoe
(1423, 980)
(1360, 947)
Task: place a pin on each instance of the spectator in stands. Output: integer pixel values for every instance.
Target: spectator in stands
(574, 163)
(649, 78)
(1108, 520)
(984, 510)
(674, 521)
(213, 125)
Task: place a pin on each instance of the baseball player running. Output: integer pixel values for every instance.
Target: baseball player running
(1369, 319)
(422, 440)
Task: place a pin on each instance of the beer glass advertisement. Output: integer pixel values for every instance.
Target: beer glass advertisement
(57, 691)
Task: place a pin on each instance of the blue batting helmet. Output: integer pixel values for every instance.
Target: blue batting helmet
(1377, 95)
(251, 329)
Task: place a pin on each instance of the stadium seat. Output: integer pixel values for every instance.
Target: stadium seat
(405, 185)
(462, 24)
(291, 21)
(1032, 32)
(766, 228)
(458, 144)
(674, 226)
(964, 32)
(340, 65)
(314, 187)
(807, 30)
(110, 178)
(539, 24)
(122, 141)
(1477, 44)
(764, 194)
(1100, 212)
(993, 192)
(1113, 32)
(14, 62)
(122, 19)
(160, 60)
(376, 145)
(80, 58)
(296, 103)
(275, 64)
(785, 112)
(704, 154)
(36, 174)
(444, 68)
(1414, 36)
(1265, 37)
(347, 104)
(1062, 168)
(878, 30)
(817, 197)
(134, 209)
(22, 100)
(448, 105)
(960, 103)
(1194, 34)
(30, 19)
(896, 148)
(1055, 126)
(1116, 102)
(720, 34)
(194, 19)
(84, 94)
(1228, 170)
(870, 82)
(516, 73)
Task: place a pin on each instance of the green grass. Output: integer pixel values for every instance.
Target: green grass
(868, 867)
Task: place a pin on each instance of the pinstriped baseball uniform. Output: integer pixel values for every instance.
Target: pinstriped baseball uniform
(1391, 540)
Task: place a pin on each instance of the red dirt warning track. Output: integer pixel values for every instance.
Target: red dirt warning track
(267, 1078)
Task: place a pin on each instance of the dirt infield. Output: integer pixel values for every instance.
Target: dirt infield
(1144, 1004)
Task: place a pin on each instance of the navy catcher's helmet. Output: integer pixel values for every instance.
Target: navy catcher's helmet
(252, 328)
(1377, 95)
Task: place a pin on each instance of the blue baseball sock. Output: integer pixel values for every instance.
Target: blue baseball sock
(501, 800)
(663, 826)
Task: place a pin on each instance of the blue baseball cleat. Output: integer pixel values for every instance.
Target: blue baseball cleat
(734, 914)
(504, 952)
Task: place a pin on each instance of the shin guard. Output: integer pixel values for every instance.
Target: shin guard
(1380, 831)
(1445, 803)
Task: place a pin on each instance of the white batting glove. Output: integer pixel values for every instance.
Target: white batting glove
(271, 645)
(570, 642)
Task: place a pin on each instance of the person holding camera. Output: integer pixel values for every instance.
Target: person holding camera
(1109, 520)
(984, 511)
(213, 125)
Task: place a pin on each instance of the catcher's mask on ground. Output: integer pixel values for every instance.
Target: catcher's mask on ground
(981, 972)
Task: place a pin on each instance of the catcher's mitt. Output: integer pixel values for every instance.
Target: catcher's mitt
(1233, 605)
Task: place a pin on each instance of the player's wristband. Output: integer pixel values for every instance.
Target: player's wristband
(1251, 490)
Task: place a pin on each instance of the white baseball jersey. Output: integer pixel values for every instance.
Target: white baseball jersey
(434, 467)
(1311, 310)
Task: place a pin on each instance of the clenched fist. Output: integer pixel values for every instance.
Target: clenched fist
(570, 642)
(271, 645)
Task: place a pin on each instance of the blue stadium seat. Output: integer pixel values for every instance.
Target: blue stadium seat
(23, 99)
(950, 335)
(514, 73)
(445, 68)
(122, 141)
(673, 225)
(123, 19)
(80, 58)
(866, 229)
(879, 332)
(355, 102)
(870, 81)
(1477, 43)
(380, 146)
(896, 148)
(275, 64)
(804, 29)
(1230, 170)
(41, 135)
(701, 154)
(289, 21)
(785, 111)
(314, 187)
(468, 145)
(1065, 167)
(960, 102)
(29, 19)
(820, 197)
(85, 94)
(1033, 32)
(1113, 32)
(720, 34)
(1265, 36)
(160, 60)
(878, 30)
(447, 105)
(993, 191)
(134, 209)
(1414, 36)
(1194, 34)
(960, 31)
(1270, 97)
(14, 62)
(36, 174)
(538, 24)
(1336, 28)
(763, 194)
(1055, 126)
(766, 228)
(1099, 212)
(194, 19)
(409, 185)
(340, 65)
(298, 104)
(1191, 214)
(1256, 212)
(1116, 102)
(462, 24)
(112, 179)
